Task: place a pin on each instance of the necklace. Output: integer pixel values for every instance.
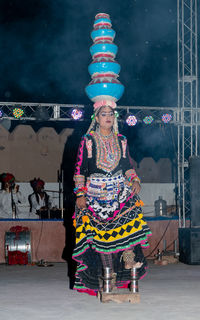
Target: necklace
(108, 152)
(106, 143)
(106, 136)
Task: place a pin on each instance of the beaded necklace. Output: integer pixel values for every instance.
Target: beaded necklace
(108, 151)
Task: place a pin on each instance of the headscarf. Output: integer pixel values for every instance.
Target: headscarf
(7, 177)
(37, 182)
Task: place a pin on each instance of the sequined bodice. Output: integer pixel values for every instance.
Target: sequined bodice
(108, 151)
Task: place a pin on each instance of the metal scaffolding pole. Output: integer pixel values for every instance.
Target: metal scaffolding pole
(187, 99)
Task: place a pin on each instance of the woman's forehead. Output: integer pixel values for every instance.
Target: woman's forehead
(106, 109)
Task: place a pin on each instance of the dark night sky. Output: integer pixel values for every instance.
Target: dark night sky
(44, 49)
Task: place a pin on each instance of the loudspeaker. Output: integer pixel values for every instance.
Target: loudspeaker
(189, 245)
(194, 172)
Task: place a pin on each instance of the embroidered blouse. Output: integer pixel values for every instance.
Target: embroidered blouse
(102, 155)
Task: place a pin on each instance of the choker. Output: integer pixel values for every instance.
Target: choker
(105, 136)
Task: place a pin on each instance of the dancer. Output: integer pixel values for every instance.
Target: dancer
(110, 230)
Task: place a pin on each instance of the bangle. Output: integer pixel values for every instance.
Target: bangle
(80, 196)
(81, 190)
(134, 180)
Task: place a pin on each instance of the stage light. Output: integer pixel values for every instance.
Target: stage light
(131, 120)
(18, 113)
(148, 119)
(167, 117)
(1, 113)
(76, 114)
(41, 114)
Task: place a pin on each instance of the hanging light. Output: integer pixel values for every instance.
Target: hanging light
(76, 113)
(148, 119)
(18, 112)
(166, 117)
(131, 120)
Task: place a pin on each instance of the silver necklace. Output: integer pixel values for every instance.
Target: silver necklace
(109, 156)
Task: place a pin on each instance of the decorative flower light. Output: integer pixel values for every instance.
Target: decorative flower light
(18, 113)
(167, 117)
(76, 114)
(148, 119)
(131, 120)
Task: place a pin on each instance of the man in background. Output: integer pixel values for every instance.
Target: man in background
(40, 201)
(10, 197)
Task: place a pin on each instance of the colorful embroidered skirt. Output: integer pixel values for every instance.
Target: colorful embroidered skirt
(95, 236)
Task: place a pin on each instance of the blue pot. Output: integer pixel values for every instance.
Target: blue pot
(103, 48)
(107, 90)
(104, 67)
(102, 33)
(102, 20)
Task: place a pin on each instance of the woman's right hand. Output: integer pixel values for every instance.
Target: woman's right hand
(81, 202)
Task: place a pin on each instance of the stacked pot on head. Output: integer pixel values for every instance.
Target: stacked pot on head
(104, 70)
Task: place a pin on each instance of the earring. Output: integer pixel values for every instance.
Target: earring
(97, 127)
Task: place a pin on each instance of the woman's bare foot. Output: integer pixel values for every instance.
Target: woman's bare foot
(137, 264)
(129, 262)
(133, 264)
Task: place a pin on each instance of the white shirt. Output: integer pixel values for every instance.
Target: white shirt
(6, 203)
(36, 206)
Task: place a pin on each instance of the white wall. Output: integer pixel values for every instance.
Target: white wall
(150, 192)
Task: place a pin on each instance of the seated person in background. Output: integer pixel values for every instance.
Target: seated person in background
(40, 201)
(10, 197)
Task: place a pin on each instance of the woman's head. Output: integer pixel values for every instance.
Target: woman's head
(105, 117)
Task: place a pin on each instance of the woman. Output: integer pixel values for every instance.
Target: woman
(110, 230)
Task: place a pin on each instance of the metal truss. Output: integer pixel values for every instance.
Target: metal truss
(61, 112)
(32, 111)
(188, 144)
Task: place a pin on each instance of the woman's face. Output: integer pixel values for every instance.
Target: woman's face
(105, 118)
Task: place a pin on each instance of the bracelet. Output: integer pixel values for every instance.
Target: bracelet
(80, 196)
(134, 180)
(81, 190)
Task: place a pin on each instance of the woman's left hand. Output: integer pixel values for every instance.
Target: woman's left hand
(136, 187)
